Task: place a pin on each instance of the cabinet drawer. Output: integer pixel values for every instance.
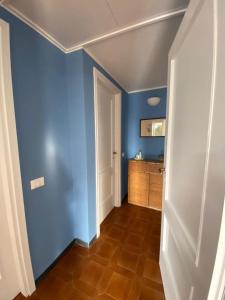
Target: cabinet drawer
(154, 168)
(138, 166)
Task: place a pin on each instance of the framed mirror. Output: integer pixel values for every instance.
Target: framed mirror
(153, 127)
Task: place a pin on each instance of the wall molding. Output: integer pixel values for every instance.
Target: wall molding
(78, 46)
(148, 89)
(103, 67)
(53, 41)
(150, 21)
(33, 25)
(52, 265)
(85, 244)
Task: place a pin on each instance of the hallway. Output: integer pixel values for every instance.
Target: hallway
(121, 264)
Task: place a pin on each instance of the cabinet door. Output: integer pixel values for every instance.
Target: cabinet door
(138, 188)
(155, 190)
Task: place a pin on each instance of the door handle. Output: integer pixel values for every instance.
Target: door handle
(114, 152)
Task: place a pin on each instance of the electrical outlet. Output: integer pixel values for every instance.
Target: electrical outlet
(36, 183)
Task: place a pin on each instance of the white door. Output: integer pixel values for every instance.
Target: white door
(195, 152)
(106, 140)
(16, 273)
(9, 284)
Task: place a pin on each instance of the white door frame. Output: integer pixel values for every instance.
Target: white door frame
(98, 76)
(9, 160)
(217, 287)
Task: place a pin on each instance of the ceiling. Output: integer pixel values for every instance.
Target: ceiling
(138, 59)
(130, 38)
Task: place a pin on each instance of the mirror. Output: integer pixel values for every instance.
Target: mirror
(152, 127)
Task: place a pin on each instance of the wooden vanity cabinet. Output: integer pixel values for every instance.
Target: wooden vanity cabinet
(145, 184)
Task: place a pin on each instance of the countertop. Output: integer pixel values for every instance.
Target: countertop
(156, 161)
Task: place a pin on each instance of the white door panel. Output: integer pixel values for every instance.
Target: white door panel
(192, 93)
(105, 99)
(106, 147)
(106, 192)
(194, 179)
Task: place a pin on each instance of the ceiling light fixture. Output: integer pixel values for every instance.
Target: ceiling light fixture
(153, 101)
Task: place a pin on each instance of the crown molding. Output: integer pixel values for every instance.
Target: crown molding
(33, 25)
(148, 89)
(152, 20)
(76, 47)
(42, 32)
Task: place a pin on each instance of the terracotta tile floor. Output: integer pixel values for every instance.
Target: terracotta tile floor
(121, 264)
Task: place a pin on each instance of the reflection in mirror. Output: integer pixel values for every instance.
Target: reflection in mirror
(153, 127)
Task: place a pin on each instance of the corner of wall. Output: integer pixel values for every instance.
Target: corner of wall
(75, 86)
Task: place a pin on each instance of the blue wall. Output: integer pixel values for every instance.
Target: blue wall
(135, 108)
(41, 107)
(53, 95)
(78, 142)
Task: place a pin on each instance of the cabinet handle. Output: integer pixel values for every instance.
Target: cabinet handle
(162, 170)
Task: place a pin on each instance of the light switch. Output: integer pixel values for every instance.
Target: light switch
(36, 183)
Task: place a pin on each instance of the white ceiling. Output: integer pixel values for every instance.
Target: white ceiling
(136, 57)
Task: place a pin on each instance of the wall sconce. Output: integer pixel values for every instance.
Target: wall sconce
(153, 101)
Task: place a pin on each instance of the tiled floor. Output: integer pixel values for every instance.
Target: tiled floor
(121, 264)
